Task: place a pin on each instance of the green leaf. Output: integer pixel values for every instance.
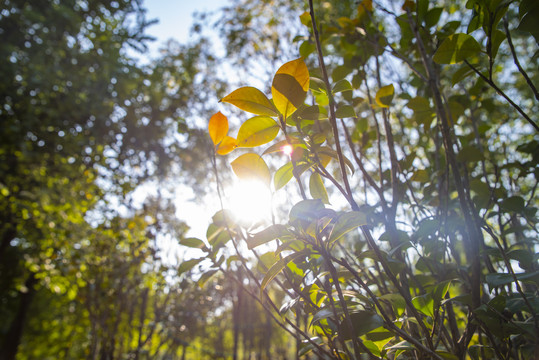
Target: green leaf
(317, 188)
(270, 233)
(497, 38)
(322, 314)
(257, 131)
(422, 110)
(283, 175)
(347, 222)
(421, 176)
(424, 304)
(305, 211)
(363, 322)
(224, 218)
(188, 265)
(470, 154)
(439, 291)
(205, 277)
(313, 112)
(397, 302)
(289, 86)
(342, 85)
(433, 16)
(457, 48)
(340, 72)
(278, 267)
(281, 144)
(306, 48)
(305, 19)
(461, 74)
(217, 236)
(495, 280)
(317, 85)
(384, 96)
(193, 243)
(251, 166)
(345, 111)
(252, 100)
(513, 204)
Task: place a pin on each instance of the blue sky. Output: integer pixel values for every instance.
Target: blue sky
(175, 17)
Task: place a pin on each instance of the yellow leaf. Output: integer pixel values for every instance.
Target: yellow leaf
(218, 128)
(252, 100)
(385, 95)
(289, 87)
(257, 131)
(226, 145)
(251, 166)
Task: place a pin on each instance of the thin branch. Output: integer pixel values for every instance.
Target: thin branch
(332, 117)
(504, 95)
(515, 59)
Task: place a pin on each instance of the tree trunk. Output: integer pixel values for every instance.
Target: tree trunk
(184, 351)
(14, 334)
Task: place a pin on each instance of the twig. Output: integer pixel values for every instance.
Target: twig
(515, 59)
(504, 95)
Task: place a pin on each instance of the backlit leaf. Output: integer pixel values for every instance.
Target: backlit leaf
(252, 100)
(192, 243)
(270, 233)
(305, 19)
(286, 172)
(205, 277)
(317, 188)
(257, 131)
(226, 145)
(424, 304)
(218, 128)
(188, 265)
(385, 95)
(277, 268)
(456, 48)
(251, 166)
(347, 222)
(289, 87)
(279, 146)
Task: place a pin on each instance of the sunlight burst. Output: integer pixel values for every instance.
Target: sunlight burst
(250, 200)
(287, 149)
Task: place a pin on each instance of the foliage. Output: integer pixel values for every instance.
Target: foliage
(424, 112)
(83, 125)
(404, 135)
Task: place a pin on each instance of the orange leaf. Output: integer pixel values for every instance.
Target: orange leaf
(218, 128)
(226, 145)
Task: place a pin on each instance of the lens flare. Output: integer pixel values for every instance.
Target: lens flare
(287, 149)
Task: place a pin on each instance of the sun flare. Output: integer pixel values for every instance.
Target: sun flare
(250, 201)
